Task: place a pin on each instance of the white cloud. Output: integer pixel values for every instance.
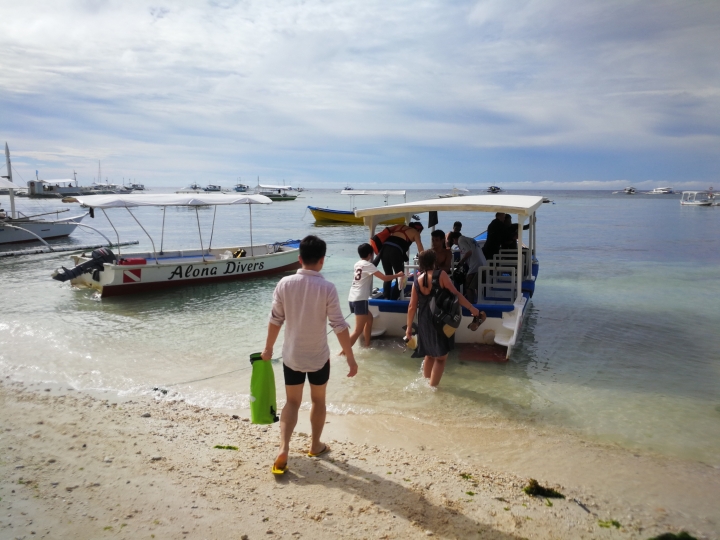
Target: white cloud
(188, 86)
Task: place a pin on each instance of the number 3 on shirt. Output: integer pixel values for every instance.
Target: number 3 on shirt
(358, 274)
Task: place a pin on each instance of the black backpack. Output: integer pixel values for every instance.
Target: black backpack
(445, 308)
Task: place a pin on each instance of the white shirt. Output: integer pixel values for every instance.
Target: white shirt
(476, 258)
(306, 300)
(361, 287)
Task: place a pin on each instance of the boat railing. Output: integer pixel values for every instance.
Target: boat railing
(496, 284)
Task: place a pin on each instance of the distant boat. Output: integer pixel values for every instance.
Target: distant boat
(275, 193)
(241, 188)
(494, 189)
(213, 188)
(348, 216)
(16, 227)
(627, 191)
(192, 188)
(661, 191)
(137, 187)
(696, 198)
(456, 192)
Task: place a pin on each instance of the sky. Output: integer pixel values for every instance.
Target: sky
(546, 94)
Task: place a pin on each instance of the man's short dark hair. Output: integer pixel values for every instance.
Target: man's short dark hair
(312, 249)
(416, 225)
(438, 234)
(498, 214)
(457, 225)
(454, 235)
(364, 250)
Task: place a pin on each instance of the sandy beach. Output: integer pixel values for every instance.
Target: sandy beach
(80, 466)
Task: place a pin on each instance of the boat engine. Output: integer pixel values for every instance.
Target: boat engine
(99, 258)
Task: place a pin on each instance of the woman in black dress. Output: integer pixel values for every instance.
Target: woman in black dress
(433, 344)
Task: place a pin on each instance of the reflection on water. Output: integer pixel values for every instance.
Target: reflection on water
(620, 342)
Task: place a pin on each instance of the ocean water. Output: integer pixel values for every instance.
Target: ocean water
(621, 342)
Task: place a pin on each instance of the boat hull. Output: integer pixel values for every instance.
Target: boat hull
(345, 216)
(44, 229)
(186, 268)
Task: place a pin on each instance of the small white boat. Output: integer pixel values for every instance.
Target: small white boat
(508, 280)
(696, 198)
(275, 193)
(17, 227)
(661, 191)
(192, 188)
(456, 192)
(137, 272)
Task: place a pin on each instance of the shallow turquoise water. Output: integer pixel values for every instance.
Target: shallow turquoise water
(621, 342)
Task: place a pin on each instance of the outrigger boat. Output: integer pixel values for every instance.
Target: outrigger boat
(506, 284)
(275, 193)
(696, 198)
(348, 216)
(129, 273)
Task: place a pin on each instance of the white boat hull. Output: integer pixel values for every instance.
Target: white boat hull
(185, 268)
(43, 229)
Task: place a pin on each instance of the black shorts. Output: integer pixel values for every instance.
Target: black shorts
(359, 307)
(318, 378)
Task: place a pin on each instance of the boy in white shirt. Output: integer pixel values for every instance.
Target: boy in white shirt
(360, 292)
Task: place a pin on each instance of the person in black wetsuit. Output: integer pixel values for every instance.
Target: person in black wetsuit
(393, 254)
(511, 233)
(496, 235)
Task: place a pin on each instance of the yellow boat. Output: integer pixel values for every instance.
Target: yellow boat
(345, 216)
(348, 216)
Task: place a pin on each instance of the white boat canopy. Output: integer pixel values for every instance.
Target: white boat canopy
(265, 186)
(58, 181)
(7, 184)
(522, 205)
(167, 199)
(400, 193)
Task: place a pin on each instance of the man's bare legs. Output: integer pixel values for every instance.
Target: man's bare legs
(433, 369)
(317, 416)
(288, 420)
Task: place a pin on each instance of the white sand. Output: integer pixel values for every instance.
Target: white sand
(76, 466)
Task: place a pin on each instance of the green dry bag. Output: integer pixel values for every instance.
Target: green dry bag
(263, 403)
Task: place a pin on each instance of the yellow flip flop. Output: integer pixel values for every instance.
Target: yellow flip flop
(279, 471)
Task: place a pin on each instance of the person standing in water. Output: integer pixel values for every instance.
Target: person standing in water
(306, 301)
(432, 343)
(360, 292)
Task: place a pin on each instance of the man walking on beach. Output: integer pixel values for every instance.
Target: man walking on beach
(306, 301)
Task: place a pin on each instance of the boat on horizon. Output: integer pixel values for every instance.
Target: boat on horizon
(348, 216)
(137, 272)
(455, 192)
(696, 198)
(17, 227)
(507, 283)
(275, 193)
(660, 191)
(495, 189)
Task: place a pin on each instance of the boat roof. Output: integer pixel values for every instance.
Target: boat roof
(7, 184)
(510, 204)
(265, 186)
(58, 181)
(384, 192)
(166, 199)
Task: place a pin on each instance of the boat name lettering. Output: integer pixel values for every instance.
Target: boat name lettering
(191, 271)
(238, 268)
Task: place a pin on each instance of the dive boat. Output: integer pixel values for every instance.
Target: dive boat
(696, 198)
(17, 227)
(241, 188)
(137, 272)
(507, 283)
(661, 191)
(494, 189)
(456, 192)
(275, 193)
(192, 188)
(348, 216)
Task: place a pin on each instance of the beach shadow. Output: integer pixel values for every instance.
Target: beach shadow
(442, 520)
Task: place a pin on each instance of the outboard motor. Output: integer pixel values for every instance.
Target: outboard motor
(100, 257)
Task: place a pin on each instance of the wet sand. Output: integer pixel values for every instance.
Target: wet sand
(80, 466)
